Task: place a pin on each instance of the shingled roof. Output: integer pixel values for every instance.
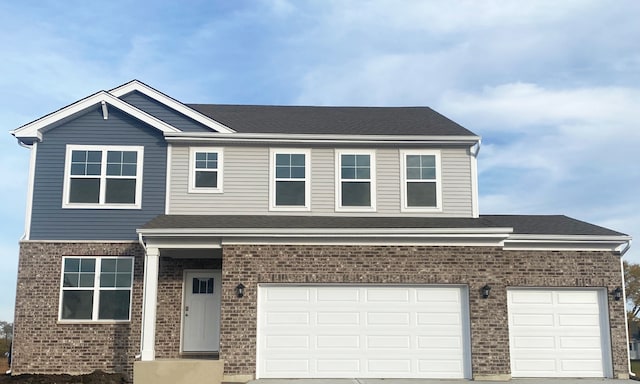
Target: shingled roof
(521, 224)
(333, 120)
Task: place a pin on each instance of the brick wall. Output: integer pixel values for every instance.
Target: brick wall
(41, 344)
(473, 266)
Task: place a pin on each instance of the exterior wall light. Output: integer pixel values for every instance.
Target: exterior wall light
(485, 291)
(240, 290)
(617, 294)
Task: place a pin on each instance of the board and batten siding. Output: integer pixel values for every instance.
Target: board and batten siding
(164, 113)
(49, 221)
(246, 183)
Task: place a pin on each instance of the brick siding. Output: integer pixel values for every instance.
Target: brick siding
(472, 266)
(42, 345)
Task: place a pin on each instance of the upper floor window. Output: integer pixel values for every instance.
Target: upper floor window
(96, 288)
(355, 184)
(421, 184)
(205, 170)
(290, 189)
(103, 177)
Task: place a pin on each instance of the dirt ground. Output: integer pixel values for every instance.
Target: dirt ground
(97, 377)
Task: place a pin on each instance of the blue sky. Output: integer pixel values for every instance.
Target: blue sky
(552, 87)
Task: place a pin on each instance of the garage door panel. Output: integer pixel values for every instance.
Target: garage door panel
(379, 335)
(565, 338)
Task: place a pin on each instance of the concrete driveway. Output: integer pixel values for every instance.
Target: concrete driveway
(439, 381)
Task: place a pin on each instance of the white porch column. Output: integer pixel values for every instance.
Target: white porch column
(149, 302)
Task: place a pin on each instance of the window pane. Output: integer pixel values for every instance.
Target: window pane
(123, 280)
(114, 305)
(290, 193)
(108, 279)
(363, 173)
(201, 156)
(413, 161)
(428, 160)
(77, 305)
(428, 173)
(362, 160)
(87, 265)
(108, 265)
(87, 280)
(84, 190)
(78, 156)
(71, 265)
(348, 173)
(413, 173)
(78, 169)
(94, 156)
(421, 195)
(121, 191)
(114, 169)
(297, 172)
(94, 169)
(348, 160)
(71, 280)
(124, 265)
(130, 157)
(283, 159)
(297, 159)
(206, 179)
(114, 157)
(283, 172)
(356, 194)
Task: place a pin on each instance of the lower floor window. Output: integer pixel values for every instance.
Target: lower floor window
(96, 288)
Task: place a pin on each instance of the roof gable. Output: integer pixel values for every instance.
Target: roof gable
(35, 129)
(136, 85)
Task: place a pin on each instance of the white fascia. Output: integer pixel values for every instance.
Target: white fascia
(136, 85)
(617, 244)
(35, 128)
(321, 138)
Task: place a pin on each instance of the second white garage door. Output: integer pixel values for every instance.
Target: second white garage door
(559, 333)
(363, 332)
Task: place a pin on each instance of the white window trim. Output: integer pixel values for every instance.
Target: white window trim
(338, 181)
(403, 181)
(307, 179)
(66, 189)
(192, 170)
(96, 291)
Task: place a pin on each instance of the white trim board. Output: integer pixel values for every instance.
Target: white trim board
(136, 85)
(35, 128)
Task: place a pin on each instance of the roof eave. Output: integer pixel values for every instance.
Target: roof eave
(320, 138)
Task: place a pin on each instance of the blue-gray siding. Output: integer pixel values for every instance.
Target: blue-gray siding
(51, 222)
(164, 113)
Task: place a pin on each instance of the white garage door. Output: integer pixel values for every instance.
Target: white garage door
(362, 332)
(558, 333)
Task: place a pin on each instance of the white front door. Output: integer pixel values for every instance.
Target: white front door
(201, 311)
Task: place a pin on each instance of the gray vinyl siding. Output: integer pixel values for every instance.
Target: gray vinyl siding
(51, 222)
(246, 184)
(164, 113)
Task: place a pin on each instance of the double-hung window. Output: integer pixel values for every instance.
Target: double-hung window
(355, 184)
(205, 170)
(96, 289)
(421, 184)
(290, 185)
(103, 177)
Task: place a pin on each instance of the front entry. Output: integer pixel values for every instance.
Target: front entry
(201, 311)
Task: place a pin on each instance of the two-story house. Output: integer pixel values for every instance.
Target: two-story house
(296, 242)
